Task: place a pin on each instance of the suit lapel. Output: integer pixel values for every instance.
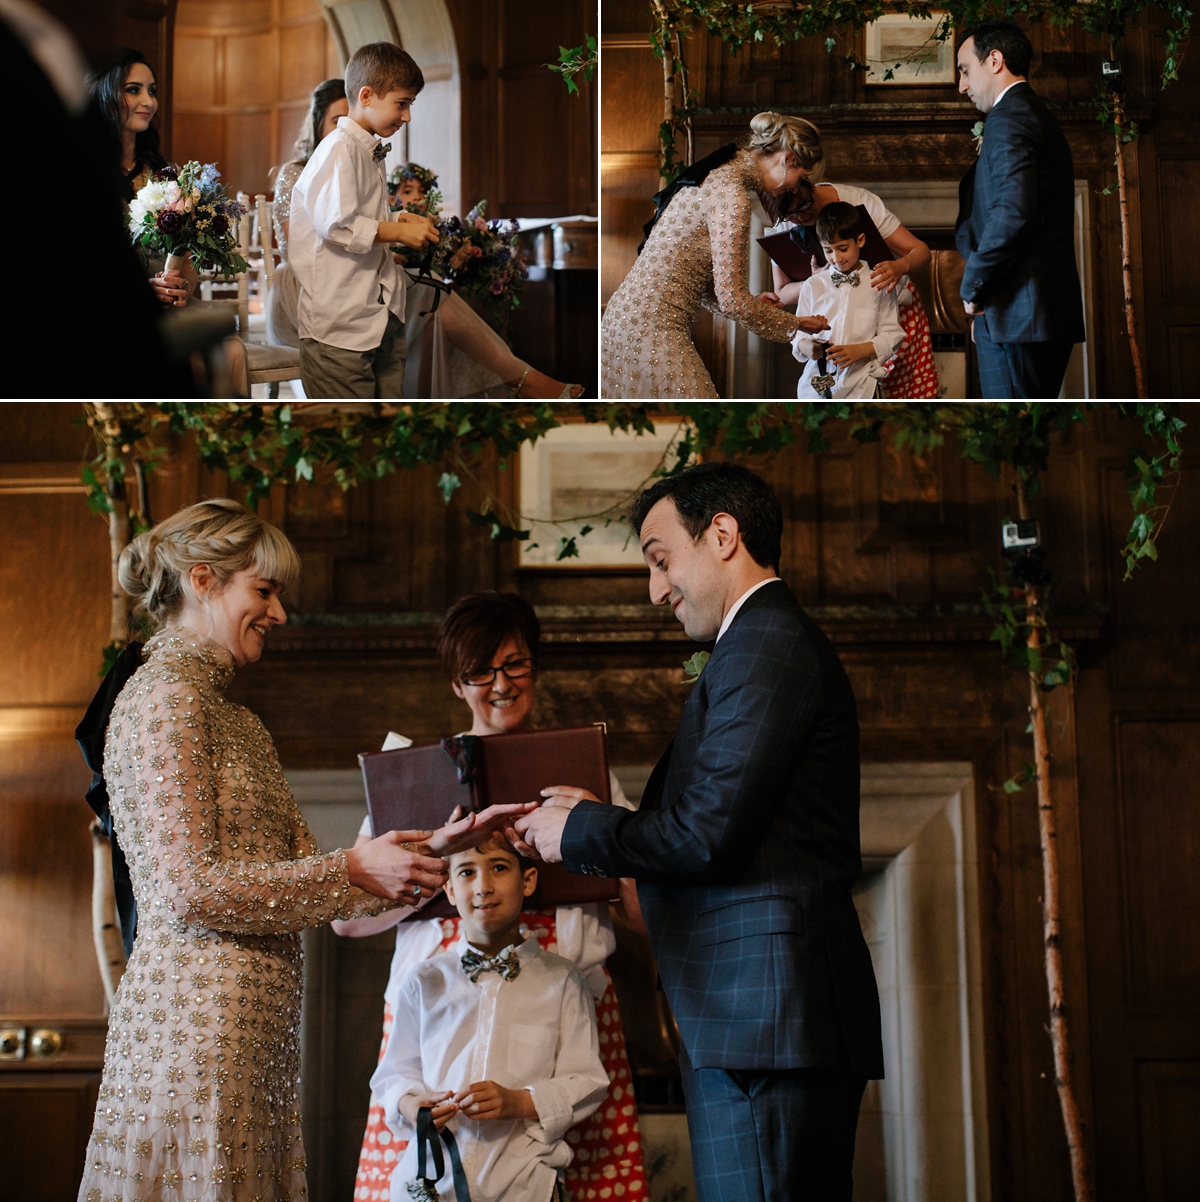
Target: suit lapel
(653, 792)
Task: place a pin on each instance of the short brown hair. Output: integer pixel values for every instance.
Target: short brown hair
(837, 221)
(497, 842)
(475, 626)
(383, 67)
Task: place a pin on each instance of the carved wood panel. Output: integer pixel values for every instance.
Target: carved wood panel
(1169, 1095)
(1160, 848)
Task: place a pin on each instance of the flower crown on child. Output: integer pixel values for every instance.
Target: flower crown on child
(415, 171)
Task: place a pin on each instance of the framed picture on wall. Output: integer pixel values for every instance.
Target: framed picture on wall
(906, 50)
(584, 477)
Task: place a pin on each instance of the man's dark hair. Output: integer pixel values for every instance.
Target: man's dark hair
(837, 221)
(1006, 37)
(703, 491)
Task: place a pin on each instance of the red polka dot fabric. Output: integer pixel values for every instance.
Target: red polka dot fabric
(608, 1164)
(912, 372)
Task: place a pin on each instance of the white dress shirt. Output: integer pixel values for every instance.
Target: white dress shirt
(733, 609)
(348, 281)
(856, 313)
(535, 1032)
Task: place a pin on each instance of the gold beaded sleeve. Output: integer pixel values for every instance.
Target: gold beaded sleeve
(728, 205)
(198, 853)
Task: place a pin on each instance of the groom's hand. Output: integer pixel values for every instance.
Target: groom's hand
(973, 310)
(539, 835)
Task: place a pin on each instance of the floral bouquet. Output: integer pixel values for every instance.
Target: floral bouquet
(184, 211)
(483, 259)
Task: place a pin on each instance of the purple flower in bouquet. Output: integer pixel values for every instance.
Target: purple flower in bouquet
(170, 171)
(497, 287)
(169, 222)
(220, 223)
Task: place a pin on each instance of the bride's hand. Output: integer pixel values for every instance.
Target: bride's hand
(395, 866)
(473, 829)
(814, 324)
(170, 288)
(770, 298)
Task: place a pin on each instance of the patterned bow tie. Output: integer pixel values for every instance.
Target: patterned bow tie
(380, 151)
(849, 277)
(505, 963)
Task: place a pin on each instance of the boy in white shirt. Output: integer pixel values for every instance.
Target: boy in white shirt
(864, 322)
(351, 308)
(497, 1038)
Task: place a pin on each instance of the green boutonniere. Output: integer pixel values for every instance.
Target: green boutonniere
(694, 666)
(977, 135)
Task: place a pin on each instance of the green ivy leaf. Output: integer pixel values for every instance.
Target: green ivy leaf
(693, 666)
(567, 549)
(448, 482)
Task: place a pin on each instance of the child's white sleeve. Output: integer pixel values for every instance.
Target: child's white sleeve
(889, 334)
(331, 199)
(579, 1082)
(399, 1074)
(804, 344)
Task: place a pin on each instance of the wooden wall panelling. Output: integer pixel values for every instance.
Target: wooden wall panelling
(528, 146)
(244, 76)
(45, 1124)
(1169, 1097)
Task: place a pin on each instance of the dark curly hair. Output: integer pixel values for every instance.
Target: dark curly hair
(108, 87)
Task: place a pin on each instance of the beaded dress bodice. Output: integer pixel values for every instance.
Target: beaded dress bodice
(697, 254)
(281, 206)
(199, 1098)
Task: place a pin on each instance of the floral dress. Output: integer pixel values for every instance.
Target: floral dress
(199, 1098)
(697, 254)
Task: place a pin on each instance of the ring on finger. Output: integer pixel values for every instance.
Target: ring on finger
(410, 847)
(416, 891)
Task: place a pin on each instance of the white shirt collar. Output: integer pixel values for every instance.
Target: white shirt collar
(350, 126)
(733, 609)
(1007, 90)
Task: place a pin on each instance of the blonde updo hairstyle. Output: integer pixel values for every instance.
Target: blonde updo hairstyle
(154, 569)
(800, 139)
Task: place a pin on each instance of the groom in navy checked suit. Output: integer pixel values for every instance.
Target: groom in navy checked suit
(745, 850)
(1016, 224)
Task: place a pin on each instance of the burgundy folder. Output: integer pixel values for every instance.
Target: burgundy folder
(793, 250)
(417, 788)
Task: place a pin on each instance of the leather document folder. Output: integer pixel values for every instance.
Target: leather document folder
(416, 788)
(794, 249)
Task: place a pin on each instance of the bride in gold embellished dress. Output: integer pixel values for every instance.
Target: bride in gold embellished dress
(200, 1094)
(697, 252)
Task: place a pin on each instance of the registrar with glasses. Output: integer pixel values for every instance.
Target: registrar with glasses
(514, 669)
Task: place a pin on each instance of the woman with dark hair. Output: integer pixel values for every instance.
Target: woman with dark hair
(127, 92)
(488, 647)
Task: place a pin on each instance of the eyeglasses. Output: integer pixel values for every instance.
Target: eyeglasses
(515, 669)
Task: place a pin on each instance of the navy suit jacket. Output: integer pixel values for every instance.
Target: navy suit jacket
(745, 850)
(1016, 226)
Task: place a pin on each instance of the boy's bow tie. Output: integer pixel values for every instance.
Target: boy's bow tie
(505, 963)
(844, 277)
(381, 149)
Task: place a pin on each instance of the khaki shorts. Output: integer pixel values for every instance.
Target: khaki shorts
(332, 372)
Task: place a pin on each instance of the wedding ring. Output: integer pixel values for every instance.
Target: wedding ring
(416, 891)
(410, 847)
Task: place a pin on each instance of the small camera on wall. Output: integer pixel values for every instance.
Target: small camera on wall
(1111, 72)
(1020, 536)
